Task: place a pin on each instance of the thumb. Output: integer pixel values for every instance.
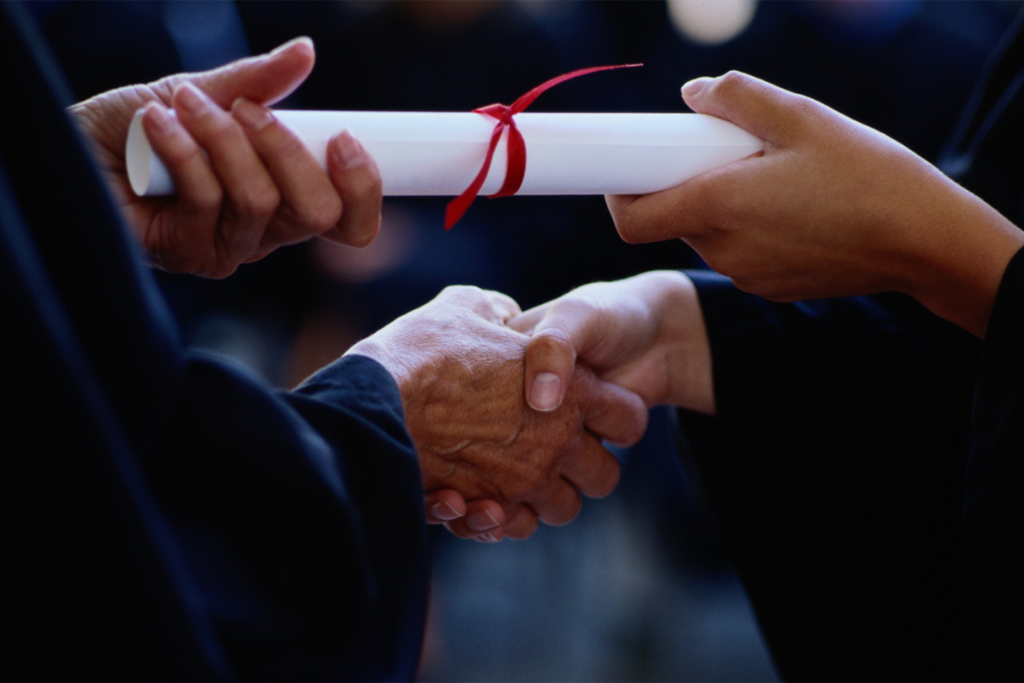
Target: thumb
(558, 336)
(264, 79)
(756, 106)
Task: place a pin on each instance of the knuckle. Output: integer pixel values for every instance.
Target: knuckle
(462, 294)
(262, 202)
(185, 263)
(610, 483)
(213, 126)
(322, 215)
(630, 425)
(531, 477)
(220, 269)
(281, 141)
(567, 513)
(628, 227)
(522, 527)
(564, 315)
(362, 236)
(731, 83)
(207, 198)
(636, 430)
(551, 343)
(185, 152)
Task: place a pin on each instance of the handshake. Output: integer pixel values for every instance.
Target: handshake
(495, 459)
(508, 410)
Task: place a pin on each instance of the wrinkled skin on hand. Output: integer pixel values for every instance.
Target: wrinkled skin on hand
(460, 371)
(245, 183)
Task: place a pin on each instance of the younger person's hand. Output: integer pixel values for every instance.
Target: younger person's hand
(831, 208)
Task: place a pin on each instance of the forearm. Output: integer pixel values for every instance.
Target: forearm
(963, 249)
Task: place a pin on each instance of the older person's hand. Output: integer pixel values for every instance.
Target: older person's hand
(246, 185)
(832, 208)
(460, 371)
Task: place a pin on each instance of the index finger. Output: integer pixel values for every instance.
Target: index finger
(611, 412)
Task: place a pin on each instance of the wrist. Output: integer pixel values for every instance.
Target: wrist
(957, 271)
(373, 349)
(683, 338)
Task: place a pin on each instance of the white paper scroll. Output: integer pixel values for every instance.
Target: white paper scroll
(439, 153)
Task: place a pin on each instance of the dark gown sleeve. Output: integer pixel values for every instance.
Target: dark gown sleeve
(835, 469)
(993, 519)
(163, 515)
(866, 463)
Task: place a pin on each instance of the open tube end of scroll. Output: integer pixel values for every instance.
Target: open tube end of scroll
(146, 173)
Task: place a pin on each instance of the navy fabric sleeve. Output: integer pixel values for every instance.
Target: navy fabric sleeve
(993, 521)
(301, 520)
(163, 515)
(834, 466)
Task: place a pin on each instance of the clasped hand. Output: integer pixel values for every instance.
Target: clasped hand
(460, 370)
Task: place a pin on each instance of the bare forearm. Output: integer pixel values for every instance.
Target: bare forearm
(962, 253)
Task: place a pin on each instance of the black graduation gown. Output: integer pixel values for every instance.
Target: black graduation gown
(866, 464)
(165, 515)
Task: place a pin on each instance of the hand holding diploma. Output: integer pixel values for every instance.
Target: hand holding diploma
(245, 185)
(465, 154)
(831, 208)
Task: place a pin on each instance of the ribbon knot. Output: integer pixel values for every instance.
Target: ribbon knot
(516, 170)
(502, 112)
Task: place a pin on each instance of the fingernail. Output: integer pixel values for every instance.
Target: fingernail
(695, 87)
(294, 41)
(544, 392)
(190, 99)
(251, 115)
(488, 538)
(481, 521)
(159, 118)
(347, 152)
(444, 511)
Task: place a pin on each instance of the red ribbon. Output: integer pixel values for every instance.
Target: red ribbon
(516, 146)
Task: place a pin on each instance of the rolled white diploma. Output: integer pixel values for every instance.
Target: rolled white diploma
(440, 153)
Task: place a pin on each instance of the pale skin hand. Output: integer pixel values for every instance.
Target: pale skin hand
(245, 184)
(645, 333)
(460, 371)
(832, 208)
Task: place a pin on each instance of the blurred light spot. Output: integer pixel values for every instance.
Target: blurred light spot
(711, 22)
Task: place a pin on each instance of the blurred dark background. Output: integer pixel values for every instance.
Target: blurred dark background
(639, 587)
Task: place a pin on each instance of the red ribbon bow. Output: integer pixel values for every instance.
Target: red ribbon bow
(516, 146)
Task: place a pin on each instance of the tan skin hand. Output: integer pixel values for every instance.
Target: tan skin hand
(460, 371)
(645, 333)
(246, 186)
(831, 208)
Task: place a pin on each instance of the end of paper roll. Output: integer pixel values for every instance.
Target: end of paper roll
(146, 173)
